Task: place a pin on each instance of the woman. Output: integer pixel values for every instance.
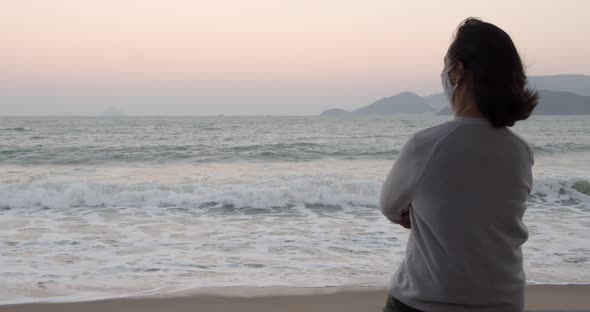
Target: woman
(462, 186)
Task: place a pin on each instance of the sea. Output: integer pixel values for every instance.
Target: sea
(103, 207)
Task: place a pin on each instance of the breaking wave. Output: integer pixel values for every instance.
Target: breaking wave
(262, 194)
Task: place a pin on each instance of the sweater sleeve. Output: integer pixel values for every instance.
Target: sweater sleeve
(396, 193)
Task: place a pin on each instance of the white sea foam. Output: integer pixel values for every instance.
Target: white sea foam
(88, 234)
(266, 194)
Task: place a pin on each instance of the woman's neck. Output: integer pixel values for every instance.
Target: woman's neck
(467, 108)
(470, 113)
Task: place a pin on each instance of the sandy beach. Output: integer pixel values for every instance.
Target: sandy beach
(539, 298)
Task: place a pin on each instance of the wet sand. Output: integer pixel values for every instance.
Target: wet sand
(325, 299)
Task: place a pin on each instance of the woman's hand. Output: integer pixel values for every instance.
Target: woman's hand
(405, 220)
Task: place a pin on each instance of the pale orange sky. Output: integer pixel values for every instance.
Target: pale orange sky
(279, 57)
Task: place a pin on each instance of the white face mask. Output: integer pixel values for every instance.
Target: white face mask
(448, 86)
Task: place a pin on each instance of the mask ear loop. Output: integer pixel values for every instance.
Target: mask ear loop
(455, 86)
(448, 71)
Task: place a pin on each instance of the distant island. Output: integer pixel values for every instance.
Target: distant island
(578, 84)
(559, 95)
(402, 103)
(554, 103)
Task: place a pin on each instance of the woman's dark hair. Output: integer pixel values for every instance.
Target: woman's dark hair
(499, 81)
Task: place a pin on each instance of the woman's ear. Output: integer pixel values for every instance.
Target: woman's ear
(458, 73)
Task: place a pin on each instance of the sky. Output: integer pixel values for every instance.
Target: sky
(255, 57)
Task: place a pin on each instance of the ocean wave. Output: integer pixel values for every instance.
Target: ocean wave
(558, 148)
(92, 194)
(572, 193)
(19, 129)
(49, 154)
(269, 195)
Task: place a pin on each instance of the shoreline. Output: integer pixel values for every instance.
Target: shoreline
(267, 299)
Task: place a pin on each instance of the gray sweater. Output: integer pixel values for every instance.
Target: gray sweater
(465, 185)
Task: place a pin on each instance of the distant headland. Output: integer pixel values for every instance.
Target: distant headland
(559, 95)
